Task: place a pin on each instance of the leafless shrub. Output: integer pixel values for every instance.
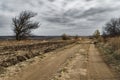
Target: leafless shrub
(65, 37)
(23, 25)
(96, 34)
(112, 28)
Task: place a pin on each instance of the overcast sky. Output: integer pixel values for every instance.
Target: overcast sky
(73, 17)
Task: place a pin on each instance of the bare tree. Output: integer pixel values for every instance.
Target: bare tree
(23, 25)
(96, 34)
(112, 28)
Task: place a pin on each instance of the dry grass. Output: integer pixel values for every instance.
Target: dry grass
(13, 52)
(14, 42)
(115, 43)
(111, 52)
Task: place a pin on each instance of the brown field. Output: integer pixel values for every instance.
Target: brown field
(13, 52)
(53, 60)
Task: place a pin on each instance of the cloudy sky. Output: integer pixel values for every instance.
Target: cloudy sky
(73, 17)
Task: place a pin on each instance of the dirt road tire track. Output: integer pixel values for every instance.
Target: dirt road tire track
(48, 67)
(94, 66)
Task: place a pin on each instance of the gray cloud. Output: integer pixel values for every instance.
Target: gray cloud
(51, 0)
(61, 16)
(4, 21)
(94, 11)
(77, 14)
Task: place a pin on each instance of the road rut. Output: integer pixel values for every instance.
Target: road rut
(86, 64)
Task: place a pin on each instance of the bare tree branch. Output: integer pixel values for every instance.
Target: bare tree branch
(23, 25)
(112, 28)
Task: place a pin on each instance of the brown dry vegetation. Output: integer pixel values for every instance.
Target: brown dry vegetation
(15, 42)
(115, 43)
(13, 52)
(80, 60)
(111, 52)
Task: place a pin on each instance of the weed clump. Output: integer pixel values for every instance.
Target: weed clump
(2, 70)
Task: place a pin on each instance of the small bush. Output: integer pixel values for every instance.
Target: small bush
(96, 34)
(116, 55)
(2, 70)
(65, 37)
(76, 37)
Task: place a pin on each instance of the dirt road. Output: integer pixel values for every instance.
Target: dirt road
(79, 62)
(97, 69)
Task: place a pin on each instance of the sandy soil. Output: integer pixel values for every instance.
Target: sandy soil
(79, 62)
(97, 69)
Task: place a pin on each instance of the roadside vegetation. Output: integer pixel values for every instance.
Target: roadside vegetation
(76, 37)
(65, 37)
(68, 37)
(109, 43)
